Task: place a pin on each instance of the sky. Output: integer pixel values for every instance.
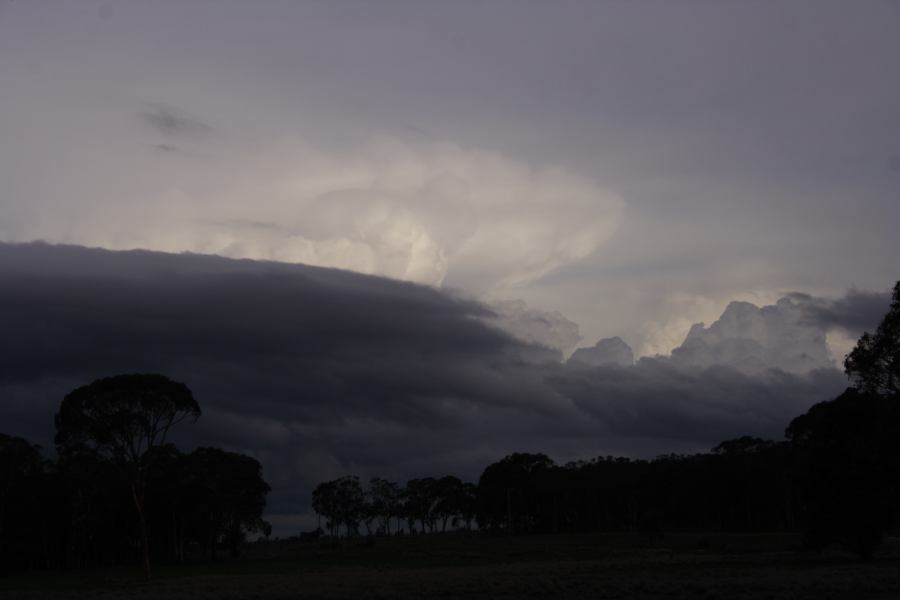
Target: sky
(632, 165)
(543, 175)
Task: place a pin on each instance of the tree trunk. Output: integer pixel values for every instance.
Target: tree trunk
(175, 537)
(211, 534)
(138, 497)
(235, 540)
(179, 549)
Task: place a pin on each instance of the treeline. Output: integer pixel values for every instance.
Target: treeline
(742, 485)
(118, 493)
(426, 505)
(836, 478)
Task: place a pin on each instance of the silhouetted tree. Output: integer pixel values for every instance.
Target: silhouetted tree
(227, 496)
(847, 461)
(447, 500)
(468, 503)
(265, 528)
(385, 499)
(874, 364)
(342, 502)
(512, 494)
(419, 502)
(122, 419)
(847, 451)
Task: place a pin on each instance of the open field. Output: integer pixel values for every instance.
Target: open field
(456, 565)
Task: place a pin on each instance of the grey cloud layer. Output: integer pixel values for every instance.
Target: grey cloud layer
(855, 312)
(321, 372)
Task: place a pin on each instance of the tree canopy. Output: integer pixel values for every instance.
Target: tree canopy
(227, 492)
(874, 364)
(123, 419)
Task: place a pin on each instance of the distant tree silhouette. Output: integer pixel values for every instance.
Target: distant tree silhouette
(446, 500)
(264, 528)
(419, 501)
(437, 502)
(874, 364)
(122, 419)
(468, 504)
(385, 498)
(427, 504)
(742, 446)
(342, 502)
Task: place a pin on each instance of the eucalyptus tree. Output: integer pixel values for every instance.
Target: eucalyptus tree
(385, 501)
(874, 364)
(122, 419)
(227, 496)
(420, 501)
(342, 502)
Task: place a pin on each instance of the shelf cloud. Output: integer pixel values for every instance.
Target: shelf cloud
(320, 372)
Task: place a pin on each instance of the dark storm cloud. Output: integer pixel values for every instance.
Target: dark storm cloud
(171, 121)
(855, 312)
(320, 372)
(657, 399)
(152, 310)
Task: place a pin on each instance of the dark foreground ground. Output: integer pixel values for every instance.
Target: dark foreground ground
(680, 566)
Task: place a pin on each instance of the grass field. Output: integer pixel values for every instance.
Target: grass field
(683, 566)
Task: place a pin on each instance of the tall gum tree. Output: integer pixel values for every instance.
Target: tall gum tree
(122, 419)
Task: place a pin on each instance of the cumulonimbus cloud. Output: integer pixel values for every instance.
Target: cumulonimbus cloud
(417, 210)
(421, 211)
